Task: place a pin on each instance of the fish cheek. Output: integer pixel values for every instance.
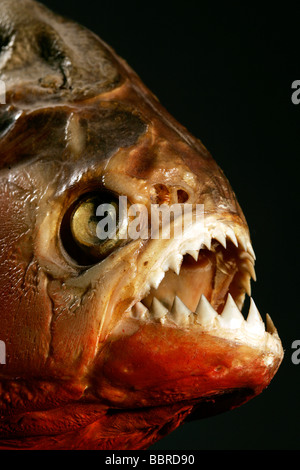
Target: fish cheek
(42, 322)
(74, 329)
(25, 312)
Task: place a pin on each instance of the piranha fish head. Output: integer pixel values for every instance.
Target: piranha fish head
(111, 342)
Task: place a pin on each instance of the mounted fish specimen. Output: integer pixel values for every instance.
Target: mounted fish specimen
(111, 342)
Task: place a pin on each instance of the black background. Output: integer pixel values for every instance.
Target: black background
(225, 72)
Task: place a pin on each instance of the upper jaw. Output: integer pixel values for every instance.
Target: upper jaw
(199, 236)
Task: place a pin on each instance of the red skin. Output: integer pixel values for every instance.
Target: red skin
(156, 373)
(158, 366)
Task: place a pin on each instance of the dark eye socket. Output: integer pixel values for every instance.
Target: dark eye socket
(91, 229)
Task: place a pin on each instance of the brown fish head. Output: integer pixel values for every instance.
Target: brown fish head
(116, 329)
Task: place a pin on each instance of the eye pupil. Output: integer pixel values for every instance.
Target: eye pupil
(84, 223)
(93, 225)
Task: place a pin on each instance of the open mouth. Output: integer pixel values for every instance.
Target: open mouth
(202, 284)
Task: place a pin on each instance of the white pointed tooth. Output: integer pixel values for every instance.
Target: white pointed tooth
(243, 242)
(177, 270)
(172, 263)
(247, 285)
(231, 317)
(180, 312)
(205, 313)
(175, 263)
(157, 277)
(207, 241)
(239, 300)
(254, 321)
(140, 311)
(250, 250)
(220, 237)
(232, 237)
(158, 310)
(194, 254)
(252, 272)
(248, 266)
(270, 327)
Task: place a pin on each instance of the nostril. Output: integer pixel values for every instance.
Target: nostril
(162, 194)
(182, 196)
(49, 49)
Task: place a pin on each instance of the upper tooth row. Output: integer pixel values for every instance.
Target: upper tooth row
(192, 247)
(221, 232)
(229, 324)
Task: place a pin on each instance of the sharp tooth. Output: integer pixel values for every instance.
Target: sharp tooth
(250, 250)
(157, 277)
(140, 311)
(251, 270)
(242, 241)
(231, 317)
(254, 321)
(270, 325)
(247, 285)
(175, 263)
(205, 313)
(180, 312)
(232, 237)
(194, 254)
(220, 237)
(247, 265)
(158, 309)
(207, 241)
(239, 300)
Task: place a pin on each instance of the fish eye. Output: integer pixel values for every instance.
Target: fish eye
(93, 227)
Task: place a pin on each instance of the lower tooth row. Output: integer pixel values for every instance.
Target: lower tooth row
(207, 318)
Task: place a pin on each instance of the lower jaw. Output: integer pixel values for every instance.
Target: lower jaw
(159, 364)
(167, 375)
